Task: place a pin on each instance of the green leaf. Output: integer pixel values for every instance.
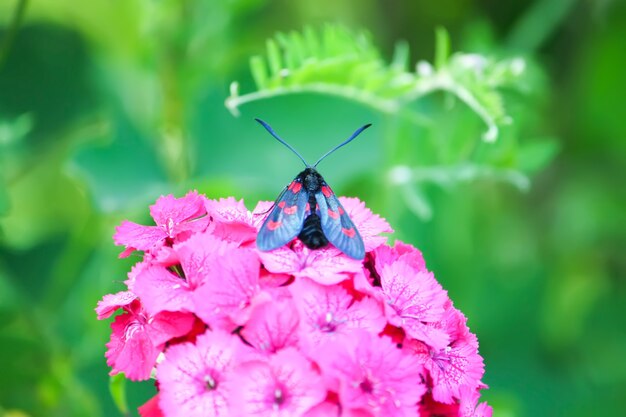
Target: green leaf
(117, 387)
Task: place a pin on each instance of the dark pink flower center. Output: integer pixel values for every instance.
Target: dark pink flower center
(366, 386)
(328, 324)
(441, 358)
(209, 382)
(279, 396)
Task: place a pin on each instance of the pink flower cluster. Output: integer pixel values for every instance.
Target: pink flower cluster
(228, 330)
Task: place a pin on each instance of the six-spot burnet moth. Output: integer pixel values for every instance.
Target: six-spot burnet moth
(308, 208)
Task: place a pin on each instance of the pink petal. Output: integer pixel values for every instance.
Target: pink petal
(137, 236)
(151, 408)
(272, 326)
(328, 266)
(325, 409)
(413, 298)
(281, 261)
(170, 213)
(168, 325)
(283, 385)
(386, 255)
(233, 221)
(111, 302)
(161, 290)
(198, 256)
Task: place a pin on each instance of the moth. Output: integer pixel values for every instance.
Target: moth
(309, 209)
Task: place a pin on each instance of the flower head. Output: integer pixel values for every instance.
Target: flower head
(290, 332)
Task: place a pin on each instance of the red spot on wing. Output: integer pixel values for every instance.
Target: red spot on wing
(272, 225)
(348, 232)
(282, 204)
(291, 210)
(341, 211)
(333, 214)
(326, 191)
(295, 187)
(307, 208)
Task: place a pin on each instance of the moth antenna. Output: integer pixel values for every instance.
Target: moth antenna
(345, 142)
(271, 131)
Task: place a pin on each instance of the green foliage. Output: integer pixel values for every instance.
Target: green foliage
(336, 61)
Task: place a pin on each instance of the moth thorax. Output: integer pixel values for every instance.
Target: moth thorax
(312, 182)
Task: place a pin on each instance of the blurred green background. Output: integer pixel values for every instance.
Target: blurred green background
(107, 104)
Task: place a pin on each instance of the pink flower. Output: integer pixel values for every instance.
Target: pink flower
(375, 375)
(173, 216)
(161, 289)
(328, 313)
(455, 367)
(195, 379)
(138, 338)
(281, 385)
(414, 298)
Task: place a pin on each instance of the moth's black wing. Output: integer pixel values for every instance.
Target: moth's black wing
(285, 220)
(337, 225)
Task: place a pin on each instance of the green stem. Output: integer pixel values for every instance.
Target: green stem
(174, 139)
(14, 26)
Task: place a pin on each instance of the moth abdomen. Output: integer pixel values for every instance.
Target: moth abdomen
(312, 234)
